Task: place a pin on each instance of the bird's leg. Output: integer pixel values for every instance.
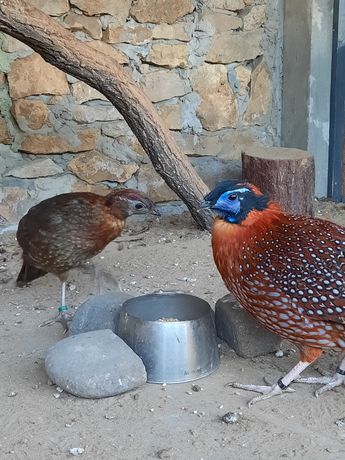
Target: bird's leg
(64, 316)
(308, 355)
(329, 382)
(63, 293)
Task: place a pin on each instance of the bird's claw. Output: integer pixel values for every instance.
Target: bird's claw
(64, 317)
(265, 390)
(328, 382)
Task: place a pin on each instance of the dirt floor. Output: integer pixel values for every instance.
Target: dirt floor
(155, 421)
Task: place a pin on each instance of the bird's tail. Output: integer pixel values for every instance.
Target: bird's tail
(28, 273)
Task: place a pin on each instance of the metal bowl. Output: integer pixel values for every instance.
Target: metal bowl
(174, 335)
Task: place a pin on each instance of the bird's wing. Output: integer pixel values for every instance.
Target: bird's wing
(306, 258)
(68, 217)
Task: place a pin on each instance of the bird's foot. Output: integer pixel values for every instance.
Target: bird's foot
(328, 382)
(64, 317)
(267, 391)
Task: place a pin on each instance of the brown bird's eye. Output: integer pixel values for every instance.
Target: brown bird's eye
(139, 206)
(232, 197)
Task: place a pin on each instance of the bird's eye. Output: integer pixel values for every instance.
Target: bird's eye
(139, 206)
(233, 197)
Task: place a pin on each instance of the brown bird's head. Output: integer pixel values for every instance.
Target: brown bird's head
(233, 201)
(125, 202)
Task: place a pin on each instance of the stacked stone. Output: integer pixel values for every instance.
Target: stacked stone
(206, 65)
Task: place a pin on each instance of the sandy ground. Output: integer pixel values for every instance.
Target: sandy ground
(153, 421)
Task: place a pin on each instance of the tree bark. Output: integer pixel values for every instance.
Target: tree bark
(61, 49)
(286, 175)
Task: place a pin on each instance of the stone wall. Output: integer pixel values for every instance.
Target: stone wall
(211, 67)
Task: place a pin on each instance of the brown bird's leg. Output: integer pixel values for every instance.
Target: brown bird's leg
(329, 382)
(307, 356)
(64, 317)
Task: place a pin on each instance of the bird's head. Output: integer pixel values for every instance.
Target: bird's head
(233, 201)
(125, 202)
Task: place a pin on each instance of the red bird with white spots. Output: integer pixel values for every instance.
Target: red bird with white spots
(287, 271)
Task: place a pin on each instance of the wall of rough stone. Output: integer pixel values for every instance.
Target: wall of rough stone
(211, 67)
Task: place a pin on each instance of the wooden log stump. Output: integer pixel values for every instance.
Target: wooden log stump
(285, 175)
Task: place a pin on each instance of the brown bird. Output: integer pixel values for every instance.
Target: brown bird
(63, 232)
(287, 271)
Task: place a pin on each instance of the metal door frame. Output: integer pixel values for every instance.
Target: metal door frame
(337, 106)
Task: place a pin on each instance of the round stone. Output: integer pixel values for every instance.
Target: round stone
(98, 312)
(94, 364)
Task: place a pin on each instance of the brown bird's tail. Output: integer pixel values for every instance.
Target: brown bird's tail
(28, 273)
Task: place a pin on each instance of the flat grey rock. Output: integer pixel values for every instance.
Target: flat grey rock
(95, 364)
(241, 332)
(98, 312)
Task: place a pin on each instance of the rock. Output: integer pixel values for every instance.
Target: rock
(241, 332)
(94, 167)
(53, 8)
(231, 47)
(42, 144)
(36, 168)
(179, 31)
(9, 158)
(120, 149)
(30, 114)
(161, 10)
(150, 182)
(10, 201)
(221, 22)
(115, 129)
(117, 55)
(12, 45)
(260, 95)
(229, 145)
(78, 22)
(94, 364)
(164, 84)
(231, 417)
(98, 312)
(46, 187)
(90, 114)
(2, 78)
(168, 55)
(226, 145)
(134, 35)
(83, 93)
(255, 18)
(218, 107)
(57, 100)
(171, 114)
(117, 8)
(243, 75)
(76, 451)
(5, 136)
(32, 75)
(212, 170)
(186, 142)
(82, 186)
(232, 5)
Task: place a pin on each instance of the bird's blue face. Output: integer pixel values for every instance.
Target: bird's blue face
(233, 201)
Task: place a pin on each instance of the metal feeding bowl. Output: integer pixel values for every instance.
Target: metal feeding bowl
(174, 335)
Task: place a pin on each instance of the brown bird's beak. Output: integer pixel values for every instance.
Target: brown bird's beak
(155, 211)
